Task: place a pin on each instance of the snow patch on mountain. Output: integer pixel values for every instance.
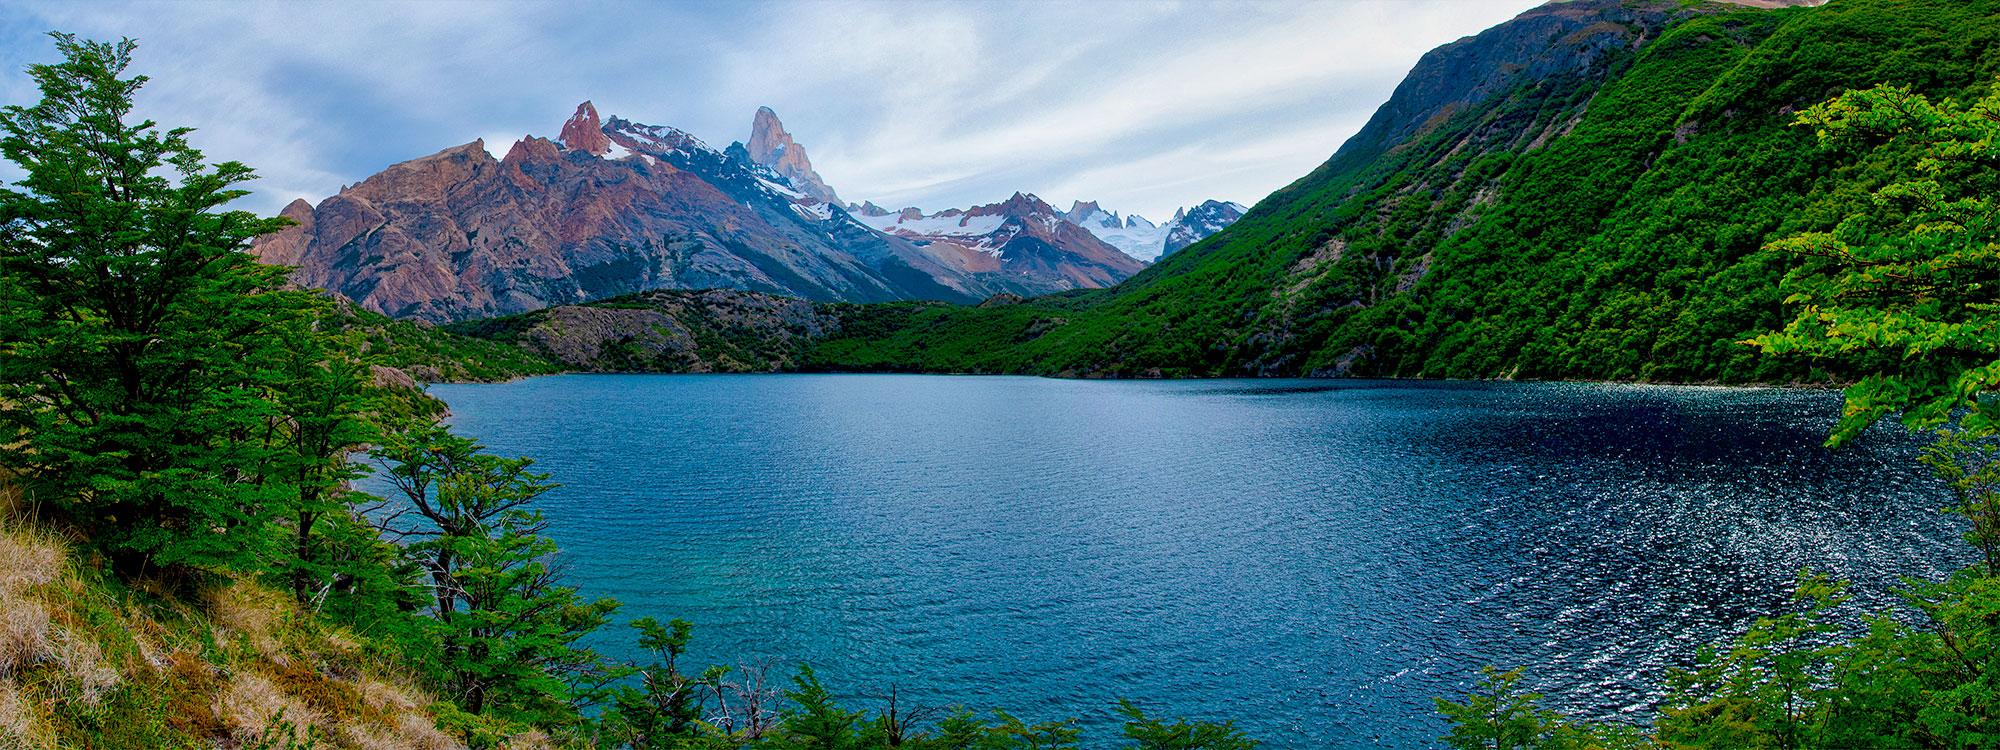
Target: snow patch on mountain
(1140, 238)
(942, 224)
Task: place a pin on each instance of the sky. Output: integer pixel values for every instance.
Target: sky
(1142, 106)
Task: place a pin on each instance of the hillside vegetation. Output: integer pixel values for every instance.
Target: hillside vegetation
(88, 660)
(1583, 192)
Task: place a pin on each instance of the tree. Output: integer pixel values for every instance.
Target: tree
(1153, 734)
(321, 397)
(1498, 715)
(506, 628)
(1904, 297)
(134, 330)
(816, 721)
(666, 705)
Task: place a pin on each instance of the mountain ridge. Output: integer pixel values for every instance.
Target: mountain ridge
(615, 206)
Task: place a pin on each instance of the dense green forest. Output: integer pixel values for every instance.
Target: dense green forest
(1608, 224)
(183, 562)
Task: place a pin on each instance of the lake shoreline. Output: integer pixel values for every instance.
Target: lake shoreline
(1799, 385)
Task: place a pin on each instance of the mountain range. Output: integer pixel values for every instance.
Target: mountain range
(1584, 191)
(614, 206)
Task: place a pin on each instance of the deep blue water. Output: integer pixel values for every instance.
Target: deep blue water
(1314, 559)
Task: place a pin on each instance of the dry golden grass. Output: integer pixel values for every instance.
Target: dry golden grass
(241, 665)
(17, 721)
(82, 660)
(533, 740)
(255, 710)
(28, 560)
(24, 633)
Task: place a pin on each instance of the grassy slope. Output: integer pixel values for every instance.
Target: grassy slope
(89, 662)
(431, 354)
(1627, 248)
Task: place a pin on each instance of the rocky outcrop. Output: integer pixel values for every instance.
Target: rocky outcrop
(584, 133)
(714, 330)
(1194, 225)
(287, 246)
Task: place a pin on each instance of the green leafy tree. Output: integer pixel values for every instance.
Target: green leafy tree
(134, 330)
(507, 629)
(1904, 296)
(1153, 734)
(321, 397)
(816, 720)
(1499, 715)
(665, 707)
(1767, 687)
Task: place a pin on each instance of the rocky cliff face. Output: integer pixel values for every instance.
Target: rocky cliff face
(616, 207)
(715, 330)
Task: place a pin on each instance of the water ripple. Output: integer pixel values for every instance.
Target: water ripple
(1315, 559)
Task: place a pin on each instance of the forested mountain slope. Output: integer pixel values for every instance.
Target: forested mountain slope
(1581, 192)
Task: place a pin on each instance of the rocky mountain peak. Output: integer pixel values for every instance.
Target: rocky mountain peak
(771, 146)
(584, 132)
(1195, 224)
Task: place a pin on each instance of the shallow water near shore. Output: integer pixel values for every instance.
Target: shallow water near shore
(1315, 559)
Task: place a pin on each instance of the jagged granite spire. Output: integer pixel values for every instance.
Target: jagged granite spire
(771, 146)
(584, 133)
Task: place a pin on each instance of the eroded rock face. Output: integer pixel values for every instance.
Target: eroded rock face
(287, 246)
(715, 330)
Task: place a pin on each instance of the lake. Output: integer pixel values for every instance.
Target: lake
(1315, 559)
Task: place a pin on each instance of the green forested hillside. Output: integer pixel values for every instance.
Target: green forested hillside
(1555, 219)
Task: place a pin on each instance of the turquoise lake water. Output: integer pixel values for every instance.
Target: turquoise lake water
(1315, 559)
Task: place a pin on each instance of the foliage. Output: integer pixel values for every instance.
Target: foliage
(1630, 244)
(438, 355)
(136, 333)
(505, 626)
(1497, 715)
(1906, 293)
(1898, 295)
(1154, 734)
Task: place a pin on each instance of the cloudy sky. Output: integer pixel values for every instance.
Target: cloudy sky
(1143, 106)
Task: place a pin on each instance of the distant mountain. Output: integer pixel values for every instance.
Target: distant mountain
(1022, 235)
(1140, 238)
(1192, 226)
(616, 207)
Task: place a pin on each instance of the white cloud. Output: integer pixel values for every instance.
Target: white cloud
(1143, 106)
